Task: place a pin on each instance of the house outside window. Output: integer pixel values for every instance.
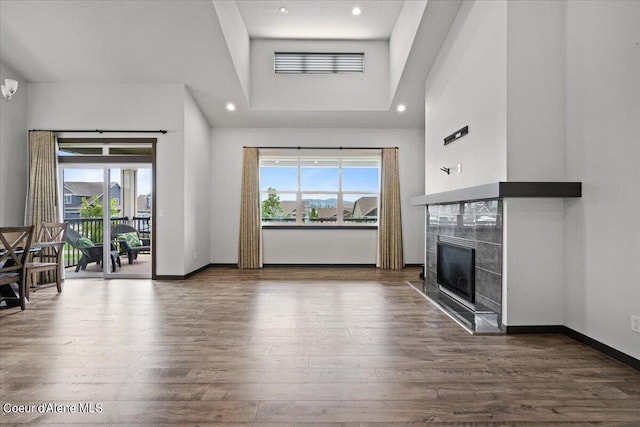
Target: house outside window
(320, 190)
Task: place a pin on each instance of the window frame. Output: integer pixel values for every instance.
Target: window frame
(301, 217)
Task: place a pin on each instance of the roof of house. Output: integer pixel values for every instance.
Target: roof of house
(327, 212)
(365, 206)
(86, 189)
(288, 207)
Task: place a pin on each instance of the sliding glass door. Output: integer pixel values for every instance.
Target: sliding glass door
(130, 221)
(107, 198)
(82, 207)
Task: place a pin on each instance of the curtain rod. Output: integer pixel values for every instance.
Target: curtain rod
(99, 131)
(321, 148)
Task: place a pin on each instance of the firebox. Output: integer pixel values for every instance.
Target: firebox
(456, 272)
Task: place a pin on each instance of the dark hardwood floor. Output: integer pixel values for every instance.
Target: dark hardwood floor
(290, 346)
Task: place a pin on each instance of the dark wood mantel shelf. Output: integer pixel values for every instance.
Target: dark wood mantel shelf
(499, 190)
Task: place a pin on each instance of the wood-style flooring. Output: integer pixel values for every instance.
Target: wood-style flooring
(290, 346)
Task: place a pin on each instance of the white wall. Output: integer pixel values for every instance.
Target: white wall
(226, 162)
(197, 197)
(602, 231)
(467, 86)
(13, 152)
(320, 92)
(535, 90)
(533, 262)
(128, 106)
(533, 246)
(297, 246)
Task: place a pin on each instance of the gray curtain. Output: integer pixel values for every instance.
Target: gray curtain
(42, 188)
(390, 220)
(249, 247)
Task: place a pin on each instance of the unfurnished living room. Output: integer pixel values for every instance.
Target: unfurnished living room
(320, 213)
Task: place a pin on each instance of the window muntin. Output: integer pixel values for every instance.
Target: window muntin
(319, 190)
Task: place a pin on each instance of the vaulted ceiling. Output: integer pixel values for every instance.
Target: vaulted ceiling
(182, 41)
(323, 19)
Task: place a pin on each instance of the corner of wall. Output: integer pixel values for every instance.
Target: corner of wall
(237, 39)
(13, 151)
(401, 40)
(196, 204)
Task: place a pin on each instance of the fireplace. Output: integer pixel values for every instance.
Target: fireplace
(470, 234)
(474, 217)
(455, 272)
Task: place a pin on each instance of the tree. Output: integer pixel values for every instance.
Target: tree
(94, 209)
(271, 205)
(313, 213)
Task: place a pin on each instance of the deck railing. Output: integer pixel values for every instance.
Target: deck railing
(93, 229)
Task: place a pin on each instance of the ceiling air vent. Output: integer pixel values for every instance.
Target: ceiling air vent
(318, 63)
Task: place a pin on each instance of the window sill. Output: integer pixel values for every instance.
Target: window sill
(318, 227)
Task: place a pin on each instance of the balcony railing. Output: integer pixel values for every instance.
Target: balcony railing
(93, 228)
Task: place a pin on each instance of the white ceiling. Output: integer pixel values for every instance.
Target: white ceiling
(320, 19)
(181, 41)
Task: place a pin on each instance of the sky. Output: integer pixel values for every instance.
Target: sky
(319, 179)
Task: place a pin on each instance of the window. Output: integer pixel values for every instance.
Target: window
(319, 190)
(318, 62)
(68, 199)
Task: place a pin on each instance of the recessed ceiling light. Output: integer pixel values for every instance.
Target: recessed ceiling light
(356, 11)
(401, 108)
(283, 10)
(231, 107)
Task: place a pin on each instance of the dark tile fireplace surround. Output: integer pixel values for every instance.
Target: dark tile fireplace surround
(475, 224)
(473, 217)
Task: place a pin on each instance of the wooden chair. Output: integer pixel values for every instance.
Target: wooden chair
(15, 243)
(51, 239)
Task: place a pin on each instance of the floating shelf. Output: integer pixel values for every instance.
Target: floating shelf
(500, 190)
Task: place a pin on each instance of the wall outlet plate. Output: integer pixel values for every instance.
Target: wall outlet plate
(459, 167)
(635, 323)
